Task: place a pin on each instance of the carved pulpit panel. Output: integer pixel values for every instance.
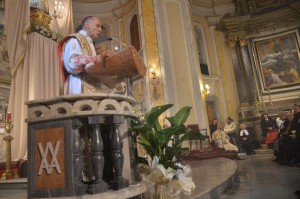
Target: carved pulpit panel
(49, 155)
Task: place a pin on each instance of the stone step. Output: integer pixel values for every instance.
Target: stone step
(264, 146)
(263, 151)
(18, 183)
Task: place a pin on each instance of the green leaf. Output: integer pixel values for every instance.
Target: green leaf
(171, 120)
(171, 152)
(157, 126)
(155, 113)
(156, 140)
(190, 136)
(152, 151)
(182, 115)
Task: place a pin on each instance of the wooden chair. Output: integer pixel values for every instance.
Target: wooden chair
(195, 129)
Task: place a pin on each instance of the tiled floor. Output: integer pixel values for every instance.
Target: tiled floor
(261, 178)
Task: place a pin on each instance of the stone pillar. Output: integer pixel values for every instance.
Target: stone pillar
(249, 74)
(118, 181)
(241, 84)
(134, 160)
(106, 136)
(98, 185)
(79, 187)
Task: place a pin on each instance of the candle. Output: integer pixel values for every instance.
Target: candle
(8, 116)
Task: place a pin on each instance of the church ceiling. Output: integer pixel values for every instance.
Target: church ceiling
(100, 8)
(210, 3)
(212, 8)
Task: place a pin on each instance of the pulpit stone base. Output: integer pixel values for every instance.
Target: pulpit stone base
(118, 184)
(97, 188)
(80, 189)
(56, 129)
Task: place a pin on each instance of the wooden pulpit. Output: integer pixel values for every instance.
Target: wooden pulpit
(124, 64)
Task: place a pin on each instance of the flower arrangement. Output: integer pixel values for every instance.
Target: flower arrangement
(47, 33)
(163, 145)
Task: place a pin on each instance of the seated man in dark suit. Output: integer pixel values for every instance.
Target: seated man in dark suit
(245, 140)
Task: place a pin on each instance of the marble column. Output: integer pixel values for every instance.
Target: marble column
(77, 157)
(98, 185)
(239, 73)
(249, 74)
(118, 181)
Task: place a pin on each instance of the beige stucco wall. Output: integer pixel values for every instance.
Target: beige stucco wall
(181, 65)
(221, 69)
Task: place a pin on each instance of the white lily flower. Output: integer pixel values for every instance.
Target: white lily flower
(186, 183)
(161, 175)
(186, 168)
(152, 163)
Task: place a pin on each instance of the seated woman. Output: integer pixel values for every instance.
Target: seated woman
(245, 140)
(221, 139)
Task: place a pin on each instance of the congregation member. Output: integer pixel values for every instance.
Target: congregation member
(279, 125)
(289, 143)
(296, 111)
(213, 126)
(267, 124)
(245, 140)
(230, 130)
(221, 139)
(279, 121)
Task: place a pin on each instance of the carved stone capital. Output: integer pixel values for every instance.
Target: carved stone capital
(243, 41)
(231, 41)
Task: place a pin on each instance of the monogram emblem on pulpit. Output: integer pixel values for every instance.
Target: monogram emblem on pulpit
(44, 153)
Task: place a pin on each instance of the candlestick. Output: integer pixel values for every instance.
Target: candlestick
(9, 174)
(8, 116)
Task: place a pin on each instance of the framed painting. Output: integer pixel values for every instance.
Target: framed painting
(5, 76)
(278, 60)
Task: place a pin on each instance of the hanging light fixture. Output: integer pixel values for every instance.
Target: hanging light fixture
(58, 10)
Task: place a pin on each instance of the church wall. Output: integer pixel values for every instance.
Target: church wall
(221, 78)
(180, 60)
(182, 82)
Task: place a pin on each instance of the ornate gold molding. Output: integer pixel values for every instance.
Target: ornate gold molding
(246, 25)
(40, 18)
(231, 41)
(151, 45)
(243, 41)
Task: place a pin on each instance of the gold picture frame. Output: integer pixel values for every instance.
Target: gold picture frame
(278, 60)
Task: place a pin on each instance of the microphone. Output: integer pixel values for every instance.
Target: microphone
(112, 38)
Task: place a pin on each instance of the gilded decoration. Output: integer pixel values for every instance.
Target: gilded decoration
(243, 41)
(40, 18)
(258, 17)
(231, 42)
(152, 50)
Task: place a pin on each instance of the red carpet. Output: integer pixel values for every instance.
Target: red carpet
(18, 167)
(209, 153)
